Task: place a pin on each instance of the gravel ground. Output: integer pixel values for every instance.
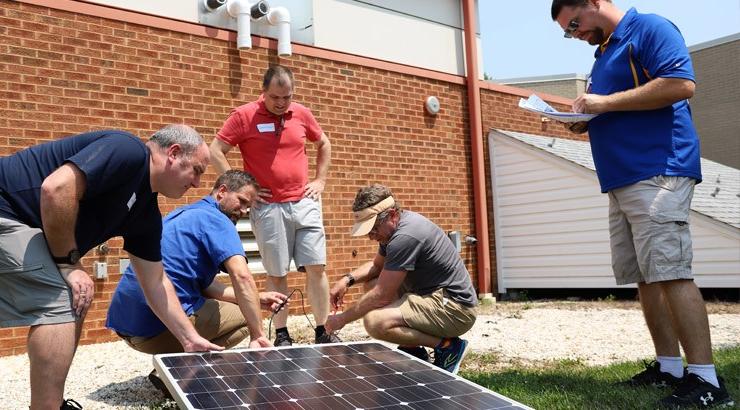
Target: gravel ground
(112, 375)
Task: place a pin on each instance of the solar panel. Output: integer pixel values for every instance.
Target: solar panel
(353, 375)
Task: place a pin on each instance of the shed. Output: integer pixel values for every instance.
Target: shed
(551, 225)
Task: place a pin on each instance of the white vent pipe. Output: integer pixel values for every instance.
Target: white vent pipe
(280, 17)
(247, 10)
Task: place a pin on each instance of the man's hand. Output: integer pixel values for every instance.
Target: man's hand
(199, 344)
(259, 342)
(314, 189)
(334, 323)
(83, 288)
(336, 294)
(272, 300)
(262, 195)
(591, 104)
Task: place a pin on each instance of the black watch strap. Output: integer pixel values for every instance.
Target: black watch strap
(350, 279)
(72, 258)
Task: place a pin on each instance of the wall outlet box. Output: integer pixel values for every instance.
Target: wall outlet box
(101, 270)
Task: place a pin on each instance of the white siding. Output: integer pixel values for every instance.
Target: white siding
(420, 33)
(552, 230)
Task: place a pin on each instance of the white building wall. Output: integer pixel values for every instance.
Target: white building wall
(552, 229)
(420, 33)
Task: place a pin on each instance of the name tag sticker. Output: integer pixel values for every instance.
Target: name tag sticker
(131, 201)
(266, 127)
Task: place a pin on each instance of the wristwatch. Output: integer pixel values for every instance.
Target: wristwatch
(72, 258)
(350, 279)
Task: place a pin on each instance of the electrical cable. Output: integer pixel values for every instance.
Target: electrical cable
(280, 307)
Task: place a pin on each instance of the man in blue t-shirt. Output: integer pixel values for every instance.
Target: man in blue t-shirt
(646, 153)
(418, 292)
(60, 199)
(198, 241)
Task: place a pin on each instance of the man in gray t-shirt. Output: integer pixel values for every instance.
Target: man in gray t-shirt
(417, 290)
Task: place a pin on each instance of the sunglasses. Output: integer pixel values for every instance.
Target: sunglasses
(378, 221)
(571, 29)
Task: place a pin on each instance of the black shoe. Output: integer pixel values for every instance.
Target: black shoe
(652, 376)
(694, 391)
(70, 404)
(450, 357)
(283, 340)
(159, 384)
(417, 351)
(327, 338)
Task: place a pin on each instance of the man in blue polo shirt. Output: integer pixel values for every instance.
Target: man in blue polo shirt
(646, 153)
(198, 241)
(60, 199)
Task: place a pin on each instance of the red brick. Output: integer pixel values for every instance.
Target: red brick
(374, 118)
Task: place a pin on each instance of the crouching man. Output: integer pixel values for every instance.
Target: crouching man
(417, 290)
(198, 241)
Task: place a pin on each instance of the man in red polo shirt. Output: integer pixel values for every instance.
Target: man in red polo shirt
(271, 134)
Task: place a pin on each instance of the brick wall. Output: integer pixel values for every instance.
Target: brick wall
(714, 105)
(64, 73)
(570, 88)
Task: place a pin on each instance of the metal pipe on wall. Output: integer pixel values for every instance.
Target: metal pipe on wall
(483, 250)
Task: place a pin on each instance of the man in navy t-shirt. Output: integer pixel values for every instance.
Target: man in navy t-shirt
(646, 153)
(60, 199)
(198, 241)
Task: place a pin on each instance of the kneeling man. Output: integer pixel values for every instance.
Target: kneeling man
(198, 241)
(417, 289)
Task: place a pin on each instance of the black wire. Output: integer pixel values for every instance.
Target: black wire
(303, 306)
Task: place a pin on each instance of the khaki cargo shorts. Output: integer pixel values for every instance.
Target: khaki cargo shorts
(435, 314)
(220, 322)
(289, 230)
(649, 230)
(32, 290)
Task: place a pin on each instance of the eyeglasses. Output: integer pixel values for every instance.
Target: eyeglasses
(280, 127)
(572, 27)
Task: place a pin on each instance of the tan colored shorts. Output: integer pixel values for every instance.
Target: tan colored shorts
(436, 315)
(649, 230)
(220, 322)
(32, 290)
(289, 230)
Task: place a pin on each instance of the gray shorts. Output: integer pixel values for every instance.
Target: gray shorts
(289, 230)
(649, 230)
(32, 291)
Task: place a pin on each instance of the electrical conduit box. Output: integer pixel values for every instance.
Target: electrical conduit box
(101, 270)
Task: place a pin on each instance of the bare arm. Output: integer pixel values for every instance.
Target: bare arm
(323, 158)
(60, 195)
(382, 294)
(61, 192)
(365, 273)
(219, 149)
(161, 297)
(242, 291)
(657, 93)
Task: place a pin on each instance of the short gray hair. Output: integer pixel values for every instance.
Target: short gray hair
(235, 180)
(372, 194)
(188, 138)
(281, 74)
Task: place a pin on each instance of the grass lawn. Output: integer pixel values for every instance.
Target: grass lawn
(572, 385)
